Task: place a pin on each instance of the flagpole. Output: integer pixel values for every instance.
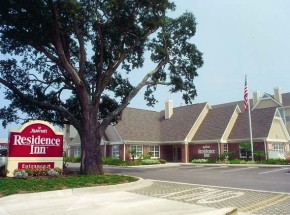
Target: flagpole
(250, 120)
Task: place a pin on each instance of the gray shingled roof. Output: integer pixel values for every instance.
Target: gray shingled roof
(179, 125)
(286, 99)
(139, 125)
(215, 123)
(143, 125)
(261, 124)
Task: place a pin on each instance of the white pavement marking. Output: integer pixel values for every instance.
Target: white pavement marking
(238, 169)
(206, 168)
(276, 170)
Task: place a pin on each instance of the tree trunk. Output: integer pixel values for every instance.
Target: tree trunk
(91, 145)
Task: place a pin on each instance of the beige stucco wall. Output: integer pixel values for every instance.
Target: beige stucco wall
(277, 133)
(265, 103)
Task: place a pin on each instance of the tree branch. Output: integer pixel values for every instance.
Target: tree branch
(134, 92)
(82, 52)
(70, 117)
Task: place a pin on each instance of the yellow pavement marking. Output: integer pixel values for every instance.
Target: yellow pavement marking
(266, 203)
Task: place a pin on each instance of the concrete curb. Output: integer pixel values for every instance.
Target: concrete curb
(236, 165)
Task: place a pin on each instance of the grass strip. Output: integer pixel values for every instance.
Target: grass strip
(9, 186)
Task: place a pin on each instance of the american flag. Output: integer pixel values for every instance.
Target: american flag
(246, 104)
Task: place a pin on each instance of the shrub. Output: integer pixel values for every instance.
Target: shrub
(235, 161)
(112, 161)
(20, 174)
(162, 161)
(31, 172)
(199, 161)
(148, 155)
(72, 159)
(149, 162)
(224, 156)
(276, 161)
(53, 173)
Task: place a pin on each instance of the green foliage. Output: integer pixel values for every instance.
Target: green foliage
(150, 162)
(20, 174)
(278, 161)
(112, 161)
(33, 172)
(133, 153)
(162, 161)
(148, 155)
(52, 173)
(225, 155)
(259, 155)
(72, 159)
(235, 161)
(9, 186)
(199, 161)
(86, 50)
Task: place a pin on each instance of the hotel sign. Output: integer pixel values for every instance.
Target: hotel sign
(35, 140)
(35, 144)
(206, 151)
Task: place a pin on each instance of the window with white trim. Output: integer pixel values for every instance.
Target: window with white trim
(226, 147)
(278, 147)
(139, 150)
(77, 152)
(155, 151)
(115, 151)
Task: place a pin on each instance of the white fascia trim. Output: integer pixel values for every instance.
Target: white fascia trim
(277, 140)
(246, 139)
(205, 141)
(113, 143)
(281, 122)
(280, 105)
(206, 106)
(237, 109)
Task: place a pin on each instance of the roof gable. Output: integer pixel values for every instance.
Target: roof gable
(215, 123)
(180, 124)
(139, 125)
(261, 123)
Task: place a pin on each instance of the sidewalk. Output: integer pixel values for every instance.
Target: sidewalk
(103, 200)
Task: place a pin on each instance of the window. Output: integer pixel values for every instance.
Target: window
(77, 152)
(226, 148)
(278, 147)
(155, 150)
(139, 151)
(115, 151)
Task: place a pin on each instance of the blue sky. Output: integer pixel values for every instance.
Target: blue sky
(237, 38)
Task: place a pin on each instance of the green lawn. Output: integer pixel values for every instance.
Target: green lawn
(9, 186)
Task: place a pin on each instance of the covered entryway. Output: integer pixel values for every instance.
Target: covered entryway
(177, 154)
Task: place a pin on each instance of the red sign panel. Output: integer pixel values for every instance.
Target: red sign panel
(35, 140)
(34, 165)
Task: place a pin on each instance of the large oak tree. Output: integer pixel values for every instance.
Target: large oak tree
(70, 61)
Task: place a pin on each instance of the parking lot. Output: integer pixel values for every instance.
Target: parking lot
(256, 178)
(253, 190)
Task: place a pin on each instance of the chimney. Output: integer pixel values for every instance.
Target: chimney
(256, 97)
(168, 109)
(277, 95)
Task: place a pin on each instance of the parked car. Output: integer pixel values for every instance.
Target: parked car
(3, 161)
